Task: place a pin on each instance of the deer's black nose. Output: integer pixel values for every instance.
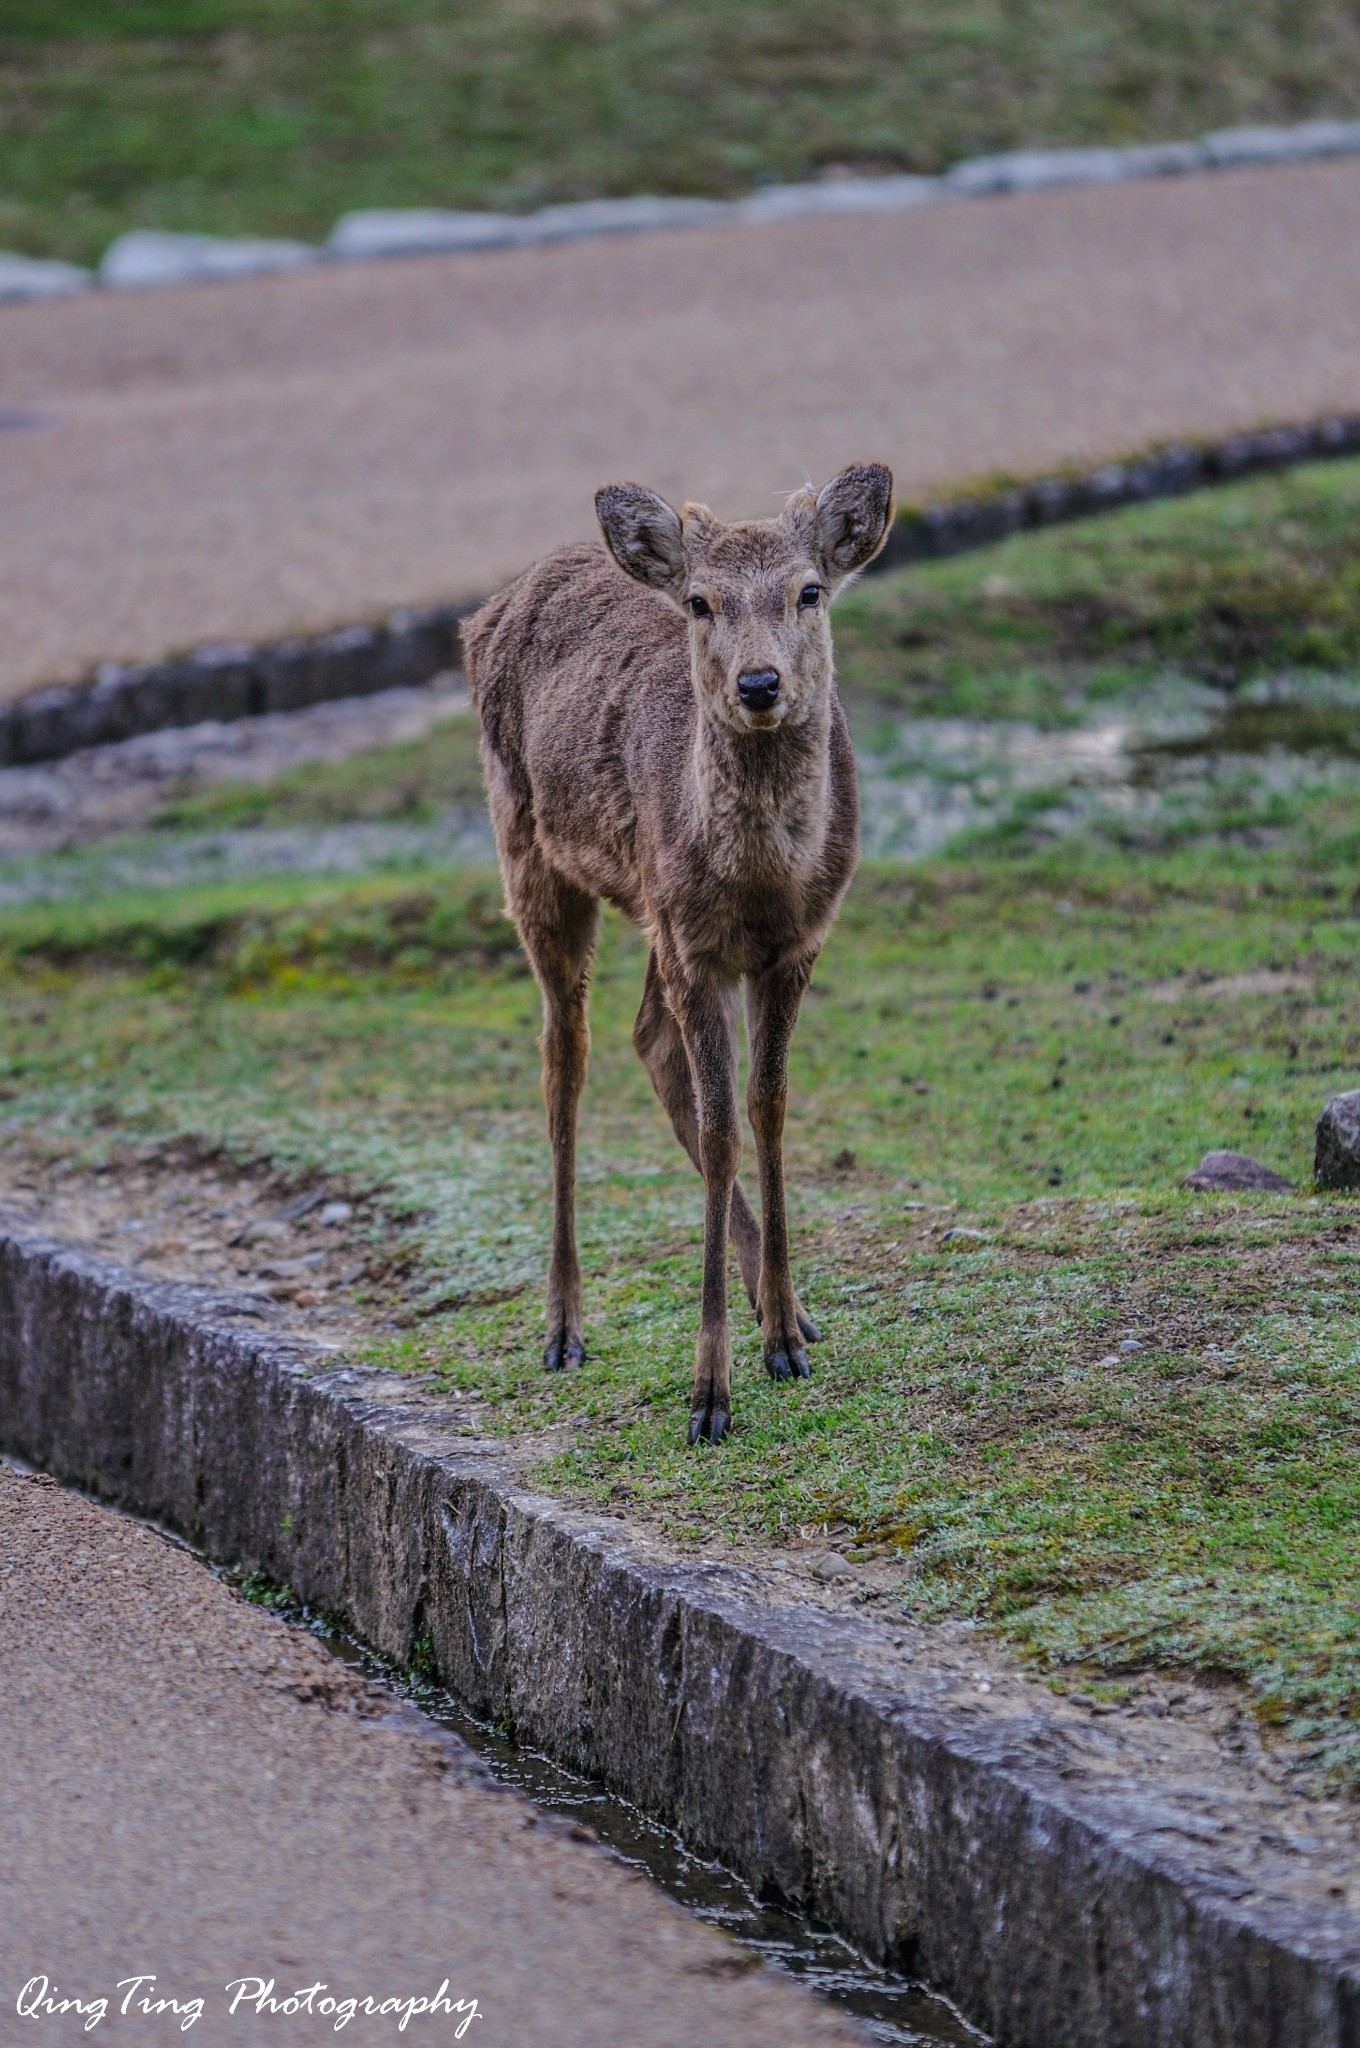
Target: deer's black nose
(758, 688)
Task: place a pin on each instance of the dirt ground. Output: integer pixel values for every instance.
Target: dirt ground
(174, 1763)
(236, 461)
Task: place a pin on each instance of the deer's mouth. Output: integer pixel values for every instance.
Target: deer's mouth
(761, 721)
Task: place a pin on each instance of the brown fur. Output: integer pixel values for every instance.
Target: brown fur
(623, 762)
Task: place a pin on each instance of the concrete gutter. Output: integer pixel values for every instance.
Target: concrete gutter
(229, 682)
(1063, 1900)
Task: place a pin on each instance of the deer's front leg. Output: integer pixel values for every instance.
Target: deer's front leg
(707, 1022)
(772, 1002)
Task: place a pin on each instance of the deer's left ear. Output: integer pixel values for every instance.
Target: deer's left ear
(852, 519)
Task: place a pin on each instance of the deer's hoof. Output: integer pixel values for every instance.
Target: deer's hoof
(710, 1423)
(788, 1361)
(807, 1329)
(563, 1350)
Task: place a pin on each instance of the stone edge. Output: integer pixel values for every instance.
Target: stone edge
(766, 1734)
(228, 682)
(146, 259)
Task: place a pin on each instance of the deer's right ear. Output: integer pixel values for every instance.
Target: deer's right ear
(642, 533)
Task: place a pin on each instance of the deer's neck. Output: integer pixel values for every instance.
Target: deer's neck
(763, 799)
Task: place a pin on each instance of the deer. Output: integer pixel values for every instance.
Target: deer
(661, 731)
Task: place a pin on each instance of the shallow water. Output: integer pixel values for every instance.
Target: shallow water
(891, 2009)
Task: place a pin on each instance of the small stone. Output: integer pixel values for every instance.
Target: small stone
(420, 231)
(262, 1231)
(335, 1212)
(1235, 1172)
(290, 1269)
(1336, 1162)
(833, 1566)
(894, 194)
(146, 258)
(36, 277)
(1131, 1344)
(638, 215)
(963, 1237)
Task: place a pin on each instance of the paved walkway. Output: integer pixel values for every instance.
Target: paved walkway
(239, 460)
(198, 1794)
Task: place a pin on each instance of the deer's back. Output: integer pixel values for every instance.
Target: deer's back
(581, 682)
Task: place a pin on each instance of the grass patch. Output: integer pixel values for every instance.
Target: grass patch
(1117, 1422)
(274, 116)
(1224, 585)
(245, 938)
(1031, 1052)
(413, 782)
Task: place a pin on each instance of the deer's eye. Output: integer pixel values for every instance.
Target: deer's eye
(700, 606)
(810, 594)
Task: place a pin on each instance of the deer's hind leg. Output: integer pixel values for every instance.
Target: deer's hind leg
(558, 924)
(660, 1047)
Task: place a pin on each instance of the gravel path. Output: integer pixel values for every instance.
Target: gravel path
(197, 1792)
(243, 460)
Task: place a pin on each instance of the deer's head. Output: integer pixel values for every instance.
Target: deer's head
(755, 593)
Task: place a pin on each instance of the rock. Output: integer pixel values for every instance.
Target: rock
(840, 196)
(1035, 170)
(146, 258)
(1299, 144)
(642, 214)
(420, 231)
(29, 277)
(1233, 1171)
(291, 1269)
(833, 1566)
(336, 1212)
(1336, 1162)
(264, 1230)
(964, 1238)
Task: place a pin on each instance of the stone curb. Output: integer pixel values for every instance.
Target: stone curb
(779, 1738)
(146, 259)
(927, 533)
(230, 682)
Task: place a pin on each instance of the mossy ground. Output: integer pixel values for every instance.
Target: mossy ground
(1027, 1040)
(275, 116)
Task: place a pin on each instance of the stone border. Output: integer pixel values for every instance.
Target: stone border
(954, 525)
(230, 682)
(1048, 1901)
(147, 258)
